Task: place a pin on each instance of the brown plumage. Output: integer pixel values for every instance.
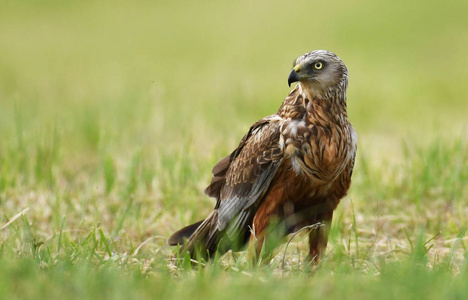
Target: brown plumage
(292, 167)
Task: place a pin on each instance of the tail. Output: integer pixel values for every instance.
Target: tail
(203, 237)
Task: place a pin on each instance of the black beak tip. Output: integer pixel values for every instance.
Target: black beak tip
(293, 77)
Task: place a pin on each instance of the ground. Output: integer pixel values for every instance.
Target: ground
(112, 115)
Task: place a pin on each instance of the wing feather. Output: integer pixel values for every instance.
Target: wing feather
(252, 167)
(240, 180)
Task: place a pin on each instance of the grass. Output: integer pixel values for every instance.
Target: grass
(112, 116)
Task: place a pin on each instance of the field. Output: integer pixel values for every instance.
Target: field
(112, 115)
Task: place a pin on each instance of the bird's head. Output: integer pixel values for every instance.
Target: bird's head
(320, 73)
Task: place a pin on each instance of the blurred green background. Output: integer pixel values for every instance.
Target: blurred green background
(112, 113)
(224, 64)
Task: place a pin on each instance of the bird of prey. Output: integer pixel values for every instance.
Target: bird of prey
(291, 168)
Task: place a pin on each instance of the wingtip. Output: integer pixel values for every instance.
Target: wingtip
(178, 237)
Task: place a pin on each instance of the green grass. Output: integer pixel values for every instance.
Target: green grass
(112, 115)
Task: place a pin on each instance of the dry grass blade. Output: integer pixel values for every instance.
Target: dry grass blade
(146, 241)
(14, 218)
(311, 227)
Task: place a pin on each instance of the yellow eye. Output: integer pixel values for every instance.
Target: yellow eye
(318, 65)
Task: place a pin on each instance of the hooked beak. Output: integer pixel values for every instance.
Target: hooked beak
(293, 77)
